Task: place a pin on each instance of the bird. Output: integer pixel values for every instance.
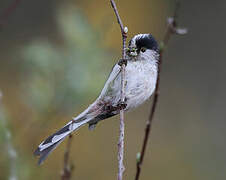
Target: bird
(141, 71)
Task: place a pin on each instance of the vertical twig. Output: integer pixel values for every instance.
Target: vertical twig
(171, 29)
(68, 168)
(8, 11)
(124, 31)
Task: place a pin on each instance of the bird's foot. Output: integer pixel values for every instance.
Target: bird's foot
(122, 61)
(121, 105)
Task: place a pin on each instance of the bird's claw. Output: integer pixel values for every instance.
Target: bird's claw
(122, 61)
(122, 105)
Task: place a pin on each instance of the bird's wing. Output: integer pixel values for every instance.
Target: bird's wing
(93, 111)
(115, 73)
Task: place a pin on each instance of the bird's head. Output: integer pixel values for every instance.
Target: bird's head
(143, 47)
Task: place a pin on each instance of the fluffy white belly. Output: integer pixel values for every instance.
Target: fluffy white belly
(140, 83)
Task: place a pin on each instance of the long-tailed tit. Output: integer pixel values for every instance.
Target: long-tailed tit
(140, 80)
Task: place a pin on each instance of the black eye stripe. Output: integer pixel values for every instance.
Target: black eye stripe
(147, 42)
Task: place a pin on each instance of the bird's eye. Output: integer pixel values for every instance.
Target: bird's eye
(143, 49)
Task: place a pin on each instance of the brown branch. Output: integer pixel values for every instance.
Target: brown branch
(124, 31)
(8, 11)
(68, 168)
(171, 29)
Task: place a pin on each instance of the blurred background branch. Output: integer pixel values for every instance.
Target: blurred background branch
(8, 11)
(171, 29)
(6, 141)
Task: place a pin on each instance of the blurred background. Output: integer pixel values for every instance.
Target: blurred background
(54, 59)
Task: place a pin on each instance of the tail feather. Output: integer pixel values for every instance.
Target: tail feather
(47, 146)
(44, 153)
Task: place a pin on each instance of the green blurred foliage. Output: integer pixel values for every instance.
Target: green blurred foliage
(56, 78)
(63, 76)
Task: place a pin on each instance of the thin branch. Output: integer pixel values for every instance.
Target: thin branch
(8, 11)
(68, 168)
(124, 31)
(171, 29)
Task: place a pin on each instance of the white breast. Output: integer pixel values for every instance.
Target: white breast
(141, 79)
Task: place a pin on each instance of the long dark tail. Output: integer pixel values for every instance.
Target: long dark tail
(54, 140)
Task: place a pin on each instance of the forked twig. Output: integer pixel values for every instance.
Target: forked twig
(171, 29)
(124, 31)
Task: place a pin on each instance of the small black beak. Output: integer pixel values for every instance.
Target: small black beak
(132, 52)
